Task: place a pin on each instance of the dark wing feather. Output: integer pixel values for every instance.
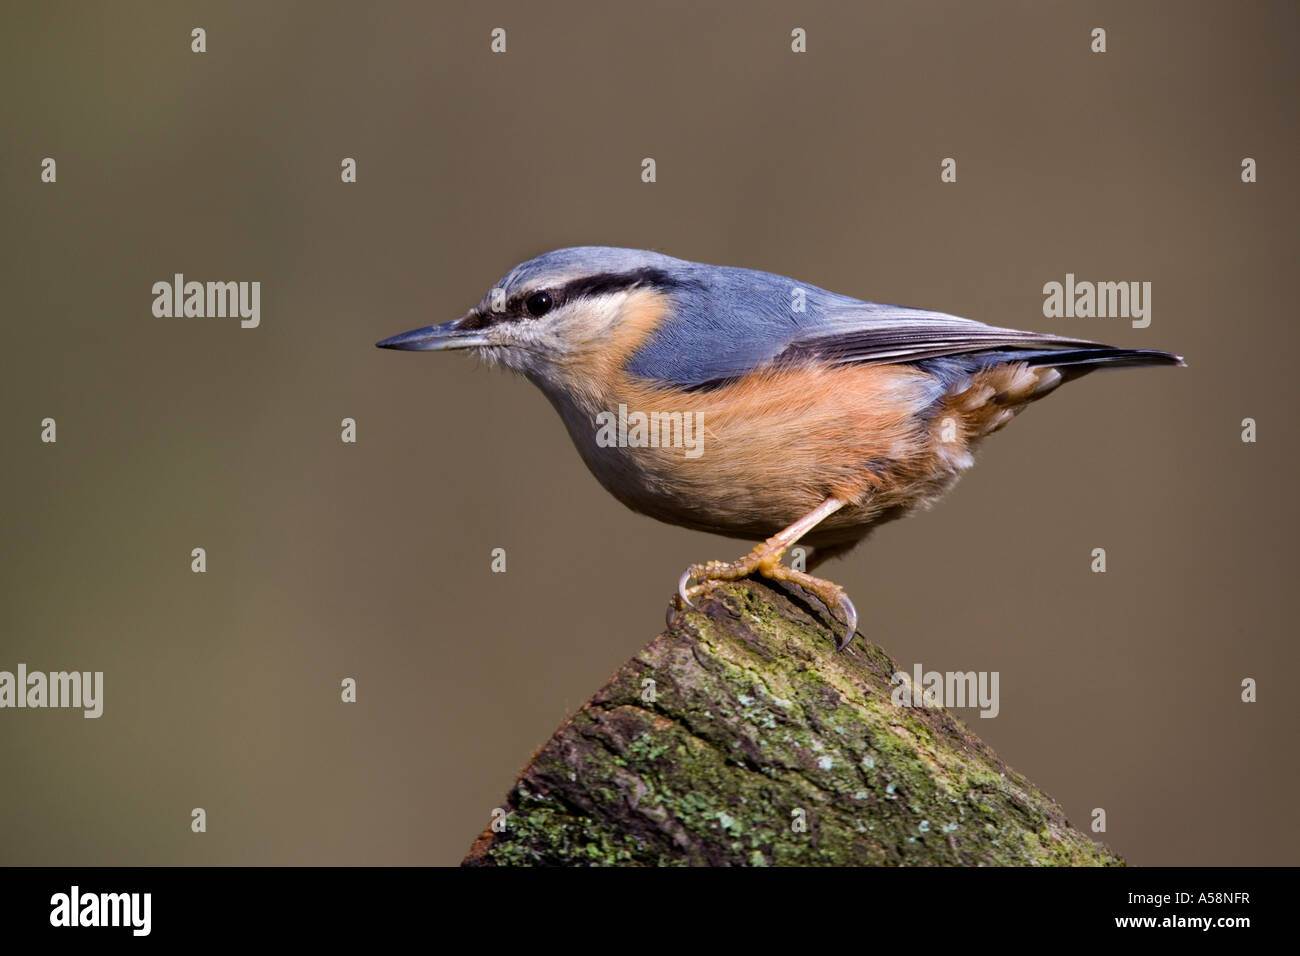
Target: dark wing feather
(879, 334)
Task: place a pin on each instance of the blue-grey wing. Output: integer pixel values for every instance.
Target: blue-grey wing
(876, 334)
(730, 322)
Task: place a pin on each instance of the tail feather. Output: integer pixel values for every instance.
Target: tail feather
(985, 390)
(1092, 356)
(955, 370)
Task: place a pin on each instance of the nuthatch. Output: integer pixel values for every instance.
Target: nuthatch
(754, 406)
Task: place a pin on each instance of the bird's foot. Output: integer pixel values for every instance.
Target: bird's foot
(765, 560)
(831, 594)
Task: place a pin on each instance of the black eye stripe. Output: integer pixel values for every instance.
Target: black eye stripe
(600, 283)
(603, 283)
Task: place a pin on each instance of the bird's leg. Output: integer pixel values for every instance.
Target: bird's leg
(766, 560)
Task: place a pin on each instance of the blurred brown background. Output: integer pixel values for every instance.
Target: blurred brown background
(328, 560)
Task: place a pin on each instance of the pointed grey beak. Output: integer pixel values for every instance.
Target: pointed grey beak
(435, 338)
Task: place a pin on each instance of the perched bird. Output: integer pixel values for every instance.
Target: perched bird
(748, 404)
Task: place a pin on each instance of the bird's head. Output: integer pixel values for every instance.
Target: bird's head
(558, 314)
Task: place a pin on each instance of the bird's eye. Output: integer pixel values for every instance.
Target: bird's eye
(539, 303)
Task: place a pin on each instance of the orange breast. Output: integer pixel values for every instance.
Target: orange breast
(750, 457)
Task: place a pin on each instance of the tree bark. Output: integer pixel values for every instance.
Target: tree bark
(741, 737)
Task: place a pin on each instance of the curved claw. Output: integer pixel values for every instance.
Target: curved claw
(851, 613)
(681, 586)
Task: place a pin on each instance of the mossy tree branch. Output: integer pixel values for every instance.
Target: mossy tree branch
(740, 736)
